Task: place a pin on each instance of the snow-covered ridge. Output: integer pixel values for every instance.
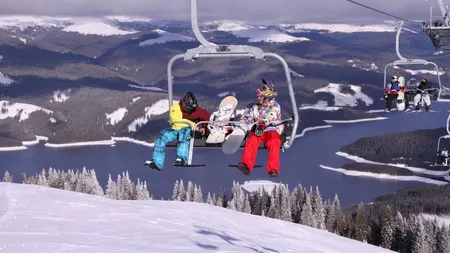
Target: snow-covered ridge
(20, 110)
(158, 108)
(165, 37)
(5, 80)
(38, 219)
(383, 176)
(346, 99)
(338, 28)
(60, 96)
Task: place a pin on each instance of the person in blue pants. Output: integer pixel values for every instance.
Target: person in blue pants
(188, 111)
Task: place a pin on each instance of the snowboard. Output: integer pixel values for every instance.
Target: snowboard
(217, 131)
(234, 140)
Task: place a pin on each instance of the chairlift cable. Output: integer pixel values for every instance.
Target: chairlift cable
(385, 13)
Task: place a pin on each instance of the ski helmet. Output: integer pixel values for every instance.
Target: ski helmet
(189, 103)
(269, 86)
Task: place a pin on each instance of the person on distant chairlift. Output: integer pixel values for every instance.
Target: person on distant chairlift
(402, 103)
(186, 110)
(424, 84)
(391, 92)
(267, 111)
(444, 156)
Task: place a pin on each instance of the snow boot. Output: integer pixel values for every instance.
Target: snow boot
(273, 173)
(179, 162)
(152, 165)
(243, 168)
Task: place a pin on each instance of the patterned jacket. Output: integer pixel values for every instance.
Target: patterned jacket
(269, 114)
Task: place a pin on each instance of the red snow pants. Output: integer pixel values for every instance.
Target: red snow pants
(272, 141)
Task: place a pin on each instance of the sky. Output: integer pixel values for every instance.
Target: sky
(263, 11)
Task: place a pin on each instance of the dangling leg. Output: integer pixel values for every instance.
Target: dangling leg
(159, 150)
(249, 154)
(427, 100)
(183, 146)
(273, 143)
(417, 99)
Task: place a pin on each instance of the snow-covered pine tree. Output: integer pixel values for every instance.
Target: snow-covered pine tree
(307, 216)
(420, 244)
(235, 197)
(175, 191)
(209, 199)
(265, 202)
(297, 200)
(319, 211)
(387, 228)
(399, 233)
(220, 198)
(338, 227)
(443, 240)
(246, 208)
(128, 186)
(181, 191)
(275, 208)
(7, 178)
(190, 192)
(111, 188)
(96, 188)
(285, 203)
(198, 195)
(146, 194)
(361, 226)
(255, 202)
(42, 179)
(330, 216)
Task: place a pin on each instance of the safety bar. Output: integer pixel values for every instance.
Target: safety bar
(448, 125)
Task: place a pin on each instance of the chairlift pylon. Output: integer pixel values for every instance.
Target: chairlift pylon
(438, 28)
(405, 61)
(210, 50)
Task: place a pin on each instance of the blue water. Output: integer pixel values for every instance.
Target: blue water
(299, 164)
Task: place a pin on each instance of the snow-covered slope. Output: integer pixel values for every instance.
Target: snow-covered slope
(338, 28)
(41, 219)
(97, 28)
(20, 110)
(158, 108)
(165, 37)
(346, 99)
(4, 80)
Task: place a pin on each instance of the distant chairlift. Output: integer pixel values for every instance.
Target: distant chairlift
(435, 92)
(211, 50)
(438, 148)
(438, 29)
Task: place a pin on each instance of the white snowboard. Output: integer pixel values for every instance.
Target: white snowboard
(217, 131)
(234, 140)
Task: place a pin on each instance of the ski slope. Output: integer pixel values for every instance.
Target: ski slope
(41, 219)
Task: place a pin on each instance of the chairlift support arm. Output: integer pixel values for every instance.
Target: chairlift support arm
(211, 50)
(444, 11)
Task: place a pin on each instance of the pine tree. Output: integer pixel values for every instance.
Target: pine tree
(443, 240)
(209, 199)
(198, 195)
(175, 192)
(42, 178)
(96, 188)
(297, 198)
(220, 198)
(182, 196)
(285, 203)
(190, 192)
(246, 208)
(399, 234)
(146, 194)
(420, 242)
(307, 216)
(319, 211)
(255, 202)
(7, 177)
(111, 188)
(330, 217)
(361, 226)
(387, 228)
(265, 202)
(338, 227)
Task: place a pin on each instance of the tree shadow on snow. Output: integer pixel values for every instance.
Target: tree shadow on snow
(226, 238)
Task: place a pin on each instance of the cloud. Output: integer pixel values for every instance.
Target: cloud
(265, 11)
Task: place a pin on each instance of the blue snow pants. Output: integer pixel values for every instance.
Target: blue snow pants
(168, 135)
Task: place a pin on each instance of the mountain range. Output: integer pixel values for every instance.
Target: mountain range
(77, 79)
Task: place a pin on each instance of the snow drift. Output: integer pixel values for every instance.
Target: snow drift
(41, 219)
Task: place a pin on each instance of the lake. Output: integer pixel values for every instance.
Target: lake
(299, 164)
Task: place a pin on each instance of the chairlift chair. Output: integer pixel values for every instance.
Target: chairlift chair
(447, 136)
(435, 93)
(211, 50)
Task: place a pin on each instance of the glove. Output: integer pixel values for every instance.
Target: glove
(260, 128)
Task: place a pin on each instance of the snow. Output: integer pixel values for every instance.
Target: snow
(338, 28)
(21, 110)
(134, 100)
(267, 35)
(128, 139)
(295, 73)
(2, 149)
(346, 99)
(165, 37)
(23, 22)
(80, 144)
(129, 18)
(384, 176)
(442, 219)
(320, 106)
(256, 185)
(43, 219)
(116, 116)
(36, 141)
(158, 108)
(353, 121)
(146, 88)
(310, 129)
(96, 28)
(5, 80)
(413, 169)
(424, 72)
(61, 96)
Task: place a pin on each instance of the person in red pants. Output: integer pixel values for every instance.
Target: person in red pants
(264, 113)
